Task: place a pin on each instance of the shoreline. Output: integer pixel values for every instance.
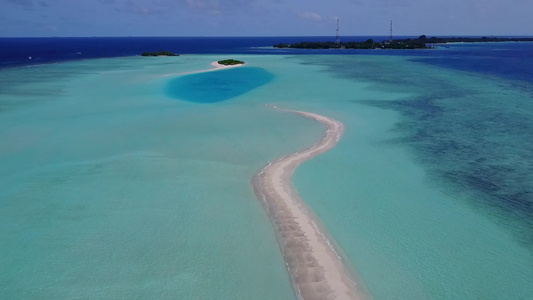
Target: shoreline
(315, 267)
(216, 67)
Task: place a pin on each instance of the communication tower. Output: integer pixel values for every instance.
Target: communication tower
(390, 36)
(338, 39)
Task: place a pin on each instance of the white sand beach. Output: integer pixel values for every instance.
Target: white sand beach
(216, 67)
(314, 265)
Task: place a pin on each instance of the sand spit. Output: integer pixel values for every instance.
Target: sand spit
(216, 67)
(314, 265)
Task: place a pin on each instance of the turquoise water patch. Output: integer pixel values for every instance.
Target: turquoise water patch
(211, 87)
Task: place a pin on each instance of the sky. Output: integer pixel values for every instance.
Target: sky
(43, 18)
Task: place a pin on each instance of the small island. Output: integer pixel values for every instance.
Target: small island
(230, 62)
(421, 42)
(160, 53)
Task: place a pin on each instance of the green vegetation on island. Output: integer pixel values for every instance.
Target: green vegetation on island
(444, 40)
(159, 53)
(418, 43)
(368, 44)
(230, 62)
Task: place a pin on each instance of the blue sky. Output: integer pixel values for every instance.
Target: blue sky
(263, 18)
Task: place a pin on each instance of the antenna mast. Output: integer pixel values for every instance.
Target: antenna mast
(338, 39)
(390, 37)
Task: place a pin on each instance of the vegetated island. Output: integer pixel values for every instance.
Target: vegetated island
(230, 62)
(419, 43)
(160, 53)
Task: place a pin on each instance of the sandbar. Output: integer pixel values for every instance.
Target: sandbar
(316, 269)
(216, 67)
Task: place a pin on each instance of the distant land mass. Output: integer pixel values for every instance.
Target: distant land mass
(160, 53)
(419, 43)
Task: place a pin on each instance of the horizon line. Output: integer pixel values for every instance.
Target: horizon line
(263, 36)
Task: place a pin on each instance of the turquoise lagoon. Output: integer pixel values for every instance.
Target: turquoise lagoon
(218, 86)
(117, 183)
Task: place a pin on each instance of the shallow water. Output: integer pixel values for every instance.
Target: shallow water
(114, 189)
(411, 229)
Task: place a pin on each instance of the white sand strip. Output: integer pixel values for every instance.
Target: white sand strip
(216, 67)
(316, 268)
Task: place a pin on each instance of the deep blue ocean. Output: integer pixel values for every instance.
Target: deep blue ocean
(17, 51)
(510, 60)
